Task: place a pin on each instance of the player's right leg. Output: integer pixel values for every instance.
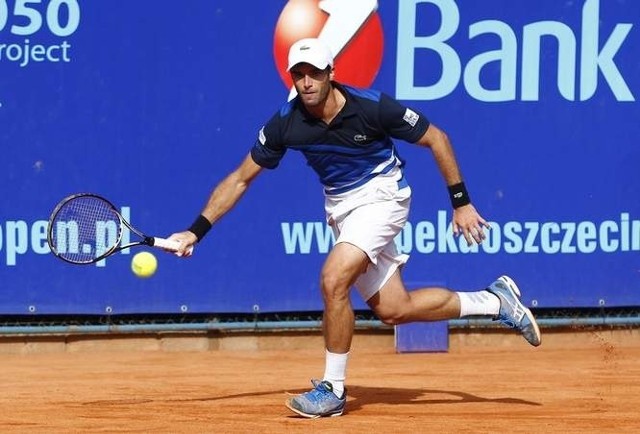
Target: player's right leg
(328, 397)
(321, 401)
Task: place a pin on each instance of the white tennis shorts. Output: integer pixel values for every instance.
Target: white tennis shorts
(369, 217)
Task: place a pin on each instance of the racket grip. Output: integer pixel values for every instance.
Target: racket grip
(164, 243)
(172, 245)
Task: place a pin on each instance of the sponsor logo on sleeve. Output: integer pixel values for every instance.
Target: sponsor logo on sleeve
(411, 117)
(262, 137)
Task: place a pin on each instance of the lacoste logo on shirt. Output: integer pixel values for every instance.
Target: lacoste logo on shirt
(360, 137)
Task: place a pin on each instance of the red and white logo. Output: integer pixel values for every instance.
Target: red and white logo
(351, 28)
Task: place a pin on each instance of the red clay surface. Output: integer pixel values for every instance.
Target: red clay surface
(594, 387)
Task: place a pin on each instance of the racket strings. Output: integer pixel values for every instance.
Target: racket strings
(85, 228)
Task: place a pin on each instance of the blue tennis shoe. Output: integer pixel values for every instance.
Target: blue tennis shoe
(513, 313)
(318, 402)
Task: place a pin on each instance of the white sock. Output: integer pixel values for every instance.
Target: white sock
(478, 303)
(335, 371)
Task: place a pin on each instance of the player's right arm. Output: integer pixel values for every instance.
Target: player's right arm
(223, 197)
(228, 192)
(267, 152)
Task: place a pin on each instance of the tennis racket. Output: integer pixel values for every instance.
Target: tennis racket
(85, 228)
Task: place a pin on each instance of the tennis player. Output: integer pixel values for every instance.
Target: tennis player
(346, 136)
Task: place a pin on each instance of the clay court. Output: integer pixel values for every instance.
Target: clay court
(586, 381)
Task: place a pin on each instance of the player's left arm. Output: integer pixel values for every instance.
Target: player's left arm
(466, 219)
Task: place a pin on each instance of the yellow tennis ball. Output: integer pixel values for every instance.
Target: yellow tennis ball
(144, 264)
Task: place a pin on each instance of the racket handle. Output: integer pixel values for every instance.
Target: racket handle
(164, 243)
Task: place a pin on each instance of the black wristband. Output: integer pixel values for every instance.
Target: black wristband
(200, 227)
(458, 195)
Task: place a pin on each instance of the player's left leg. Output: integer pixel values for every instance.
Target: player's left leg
(501, 300)
(393, 304)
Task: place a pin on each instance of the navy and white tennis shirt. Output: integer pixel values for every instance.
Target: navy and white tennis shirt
(354, 148)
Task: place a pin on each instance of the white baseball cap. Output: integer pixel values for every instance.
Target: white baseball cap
(312, 51)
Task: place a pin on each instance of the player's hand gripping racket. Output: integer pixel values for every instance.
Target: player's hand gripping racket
(85, 228)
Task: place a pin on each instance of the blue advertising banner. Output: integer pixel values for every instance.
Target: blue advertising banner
(151, 104)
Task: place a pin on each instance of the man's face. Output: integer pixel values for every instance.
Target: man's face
(313, 84)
